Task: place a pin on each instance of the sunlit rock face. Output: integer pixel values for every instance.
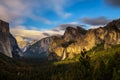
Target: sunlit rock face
(24, 43)
(113, 35)
(73, 41)
(21, 42)
(67, 46)
(5, 47)
(56, 49)
(93, 38)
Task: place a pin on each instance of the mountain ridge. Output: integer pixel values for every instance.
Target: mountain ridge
(109, 35)
(76, 38)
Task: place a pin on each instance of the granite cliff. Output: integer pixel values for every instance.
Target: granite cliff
(75, 40)
(16, 51)
(8, 44)
(5, 46)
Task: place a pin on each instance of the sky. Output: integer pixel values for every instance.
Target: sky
(41, 18)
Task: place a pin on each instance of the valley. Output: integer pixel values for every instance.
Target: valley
(104, 64)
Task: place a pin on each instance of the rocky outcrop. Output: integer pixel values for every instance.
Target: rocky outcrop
(5, 47)
(67, 46)
(113, 35)
(8, 44)
(74, 41)
(74, 33)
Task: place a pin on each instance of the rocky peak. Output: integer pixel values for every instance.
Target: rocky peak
(81, 30)
(114, 25)
(4, 30)
(74, 33)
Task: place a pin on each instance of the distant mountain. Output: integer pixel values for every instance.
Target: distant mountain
(24, 42)
(40, 49)
(8, 44)
(21, 42)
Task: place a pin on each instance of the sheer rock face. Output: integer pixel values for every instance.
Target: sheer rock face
(113, 35)
(94, 37)
(8, 44)
(68, 44)
(16, 51)
(108, 35)
(5, 47)
(56, 49)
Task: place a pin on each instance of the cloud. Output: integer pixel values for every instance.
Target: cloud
(18, 10)
(115, 3)
(51, 32)
(19, 31)
(59, 5)
(55, 29)
(95, 21)
(63, 27)
(46, 34)
(33, 34)
(94, 27)
(76, 23)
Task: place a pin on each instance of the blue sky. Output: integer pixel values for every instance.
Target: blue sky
(45, 15)
(76, 10)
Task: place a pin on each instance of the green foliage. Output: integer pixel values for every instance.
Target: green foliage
(104, 64)
(85, 66)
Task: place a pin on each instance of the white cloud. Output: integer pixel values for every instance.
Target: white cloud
(17, 10)
(76, 23)
(67, 15)
(33, 34)
(59, 7)
(94, 27)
